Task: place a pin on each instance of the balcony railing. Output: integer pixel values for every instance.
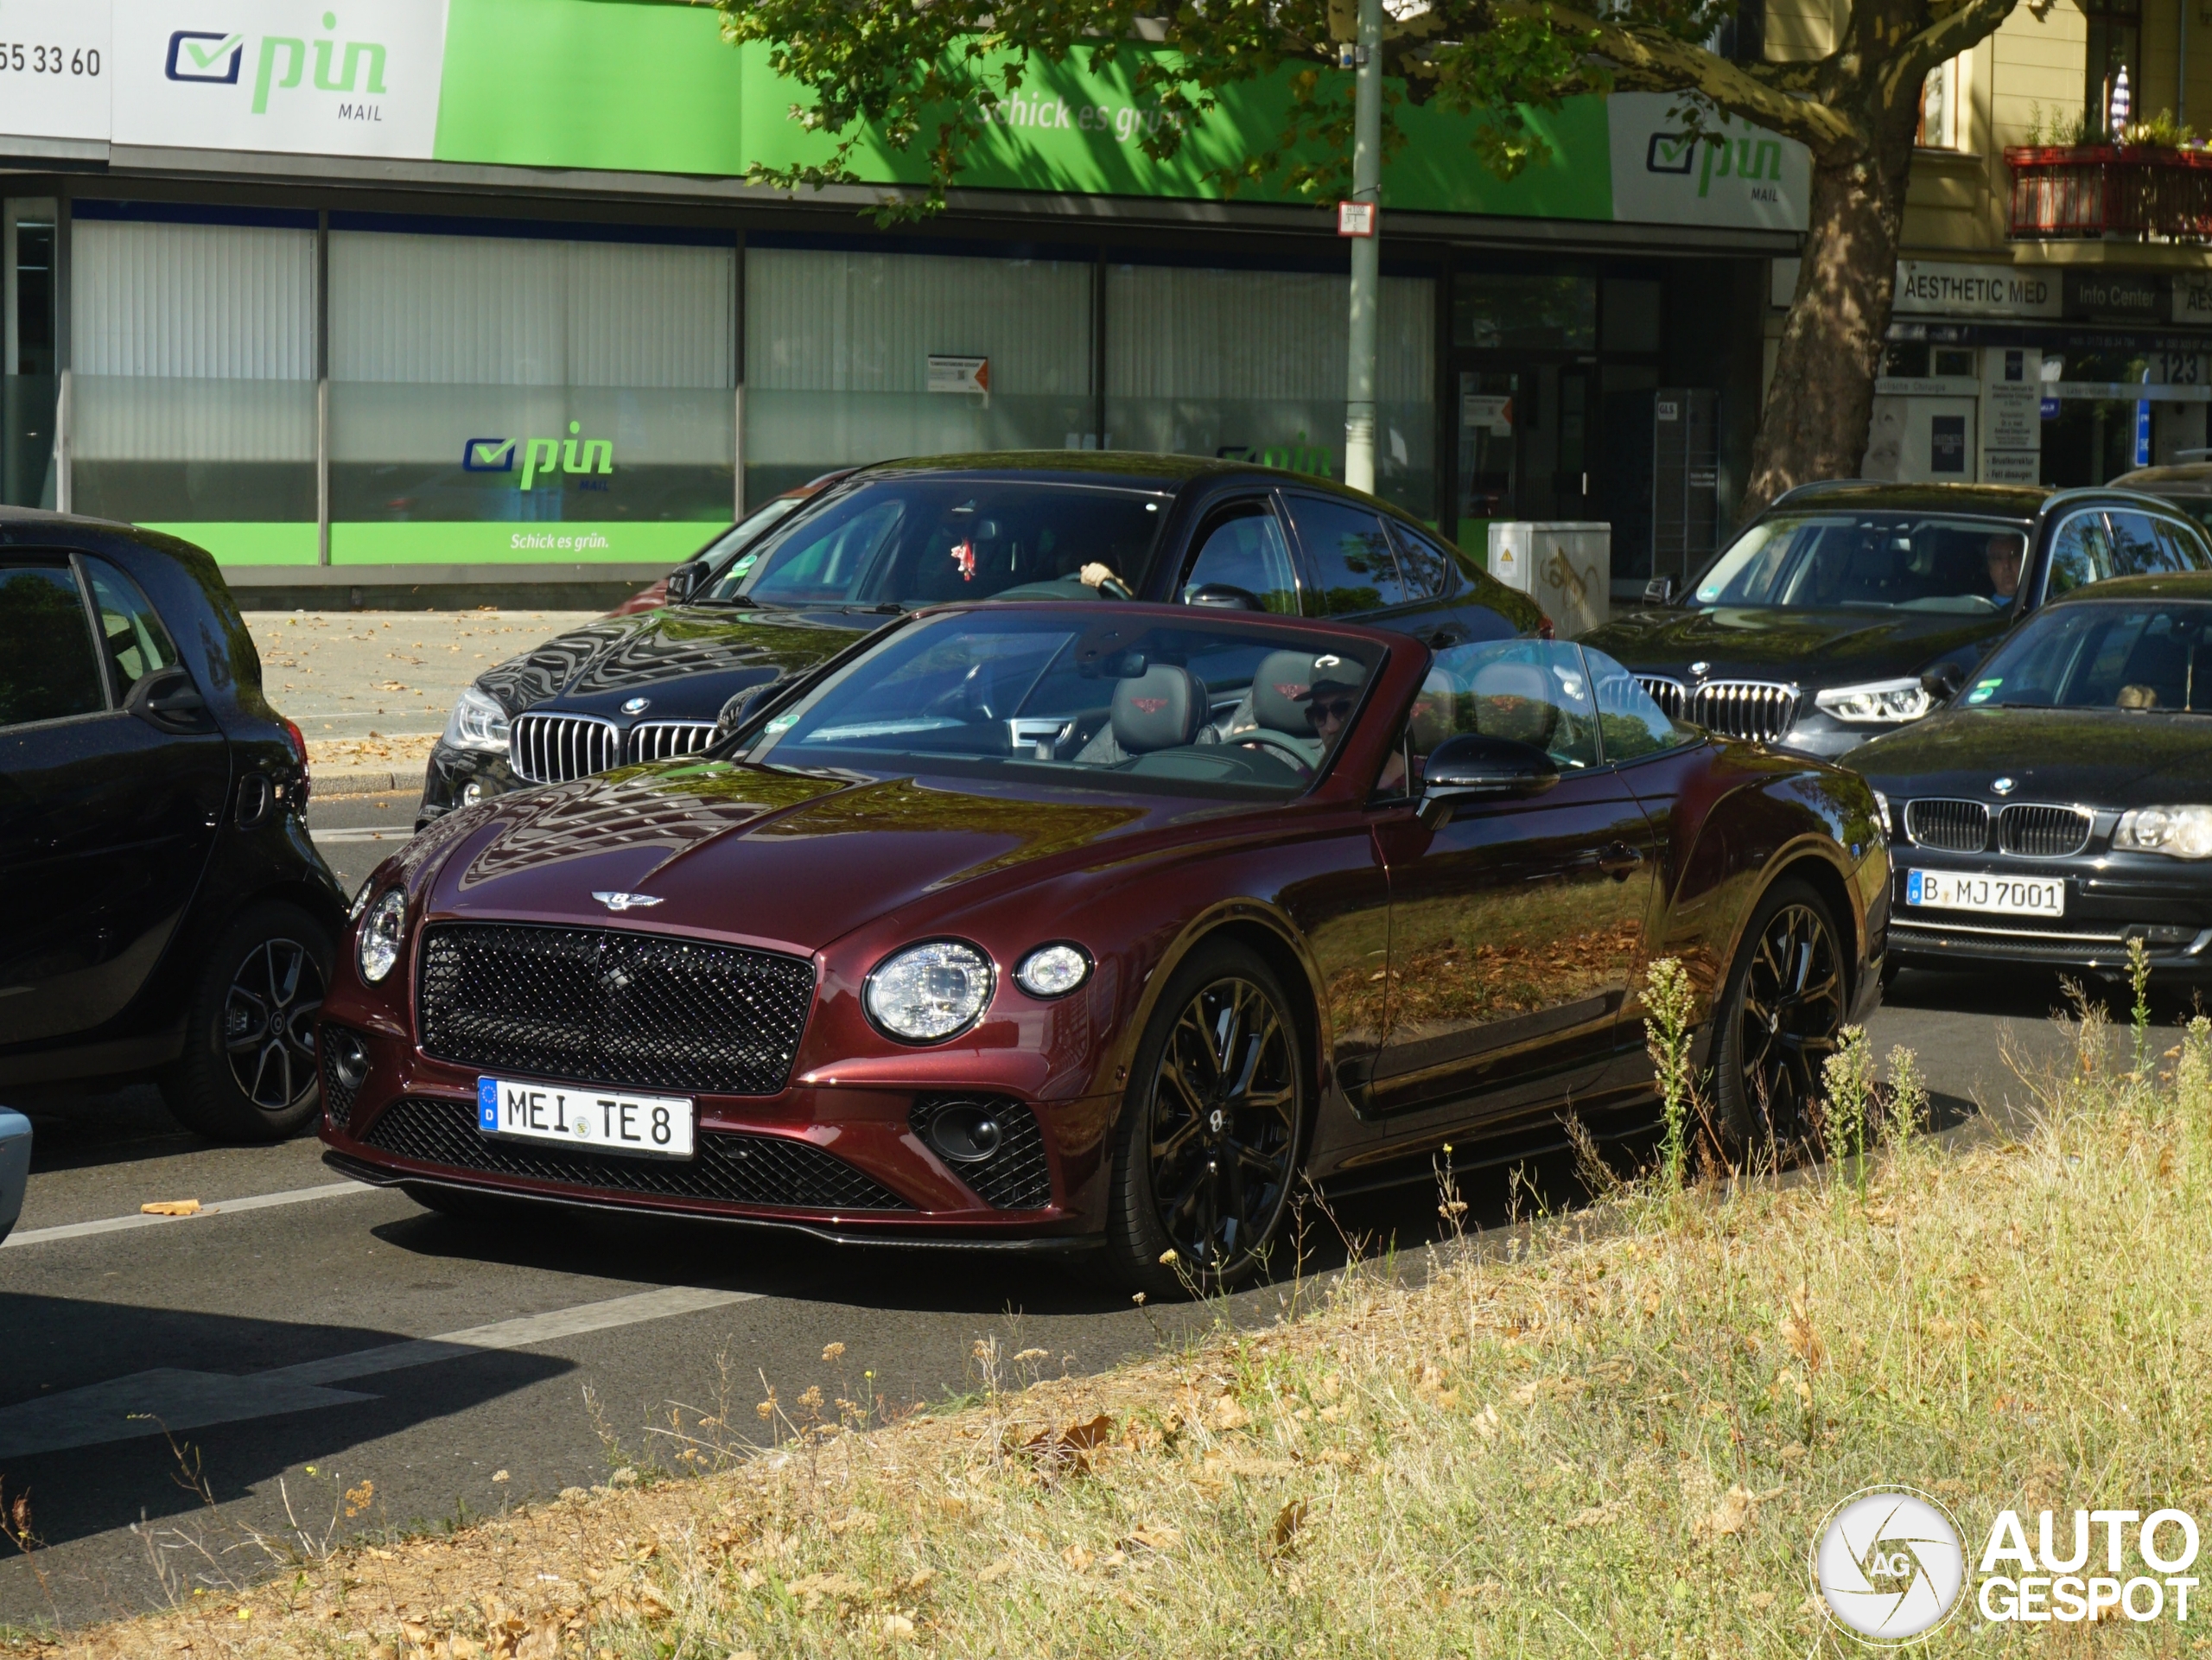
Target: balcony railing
(2100, 190)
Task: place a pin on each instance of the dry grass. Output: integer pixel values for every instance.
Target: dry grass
(1613, 1436)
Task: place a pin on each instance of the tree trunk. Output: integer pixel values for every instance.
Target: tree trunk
(1822, 398)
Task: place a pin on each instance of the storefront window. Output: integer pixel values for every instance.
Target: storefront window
(192, 389)
(1251, 364)
(528, 400)
(1493, 311)
(855, 356)
(27, 379)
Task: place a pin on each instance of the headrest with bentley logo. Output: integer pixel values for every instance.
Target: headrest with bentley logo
(1280, 690)
(1162, 708)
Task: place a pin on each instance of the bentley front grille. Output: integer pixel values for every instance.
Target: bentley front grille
(2034, 831)
(666, 739)
(1955, 826)
(1665, 692)
(604, 1006)
(765, 1170)
(554, 748)
(1743, 709)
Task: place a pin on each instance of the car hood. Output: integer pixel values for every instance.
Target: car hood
(2098, 758)
(780, 858)
(718, 647)
(1811, 648)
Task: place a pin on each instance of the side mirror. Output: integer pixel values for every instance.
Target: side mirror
(1223, 596)
(1943, 682)
(1660, 590)
(686, 580)
(169, 700)
(1471, 768)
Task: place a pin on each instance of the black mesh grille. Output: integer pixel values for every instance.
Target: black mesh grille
(761, 1170)
(337, 1093)
(1016, 1176)
(2038, 832)
(1960, 826)
(599, 1006)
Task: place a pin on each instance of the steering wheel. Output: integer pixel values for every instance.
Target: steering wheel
(1285, 750)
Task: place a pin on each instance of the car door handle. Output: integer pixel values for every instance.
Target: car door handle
(1618, 860)
(1443, 637)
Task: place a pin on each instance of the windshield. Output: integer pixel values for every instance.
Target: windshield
(2105, 656)
(925, 540)
(1204, 706)
(718, 553)
(1905, 561)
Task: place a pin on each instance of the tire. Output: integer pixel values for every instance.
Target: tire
(1206, 1157)
(1784, 1003)
(248, 1071)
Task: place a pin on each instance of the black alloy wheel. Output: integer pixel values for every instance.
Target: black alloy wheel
(1209, 1147)
(248, 1070)
(269, 1022)
(1786, 1003)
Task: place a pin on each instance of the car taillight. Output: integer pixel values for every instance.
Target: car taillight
(298, 740)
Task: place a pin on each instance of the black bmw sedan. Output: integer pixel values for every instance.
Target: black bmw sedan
(892, 537)
(2062, 804)
(1818, 626)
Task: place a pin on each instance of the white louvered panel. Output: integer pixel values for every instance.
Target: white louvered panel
(128, 419)
(1277, 336)
(645, 314)
(198, 302)
(829, 321)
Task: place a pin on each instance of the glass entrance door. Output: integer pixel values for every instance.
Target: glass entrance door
(1526, 449)
(1489, 452)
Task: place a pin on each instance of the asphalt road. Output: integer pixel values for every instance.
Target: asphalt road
(452, 1370)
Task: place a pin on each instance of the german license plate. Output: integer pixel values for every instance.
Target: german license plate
(646, 1126)
(2010, 896)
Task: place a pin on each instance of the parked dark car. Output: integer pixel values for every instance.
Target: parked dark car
(2185, 485)
(719, 555)
(903, 534)
(2061, 804)
(167, 914)
(1817, 626)
(992, 932)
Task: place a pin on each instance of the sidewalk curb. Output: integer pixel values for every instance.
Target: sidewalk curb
(358, 780)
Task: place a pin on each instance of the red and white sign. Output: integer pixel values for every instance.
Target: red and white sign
(948, 374)
(1358, 218)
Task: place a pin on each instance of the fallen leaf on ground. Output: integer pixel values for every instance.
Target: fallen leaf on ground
(1283, 1536)
(170, 1207)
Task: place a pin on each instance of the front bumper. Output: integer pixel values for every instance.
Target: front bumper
(2108, 902)
(843, 1163)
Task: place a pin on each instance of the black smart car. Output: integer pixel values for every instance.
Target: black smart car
(2062, 804)
(910, 533)
(1849, 609)
(166, 915)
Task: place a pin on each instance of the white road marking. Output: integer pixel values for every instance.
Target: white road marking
(173, 1399)
(363, 833)
(222, 1207)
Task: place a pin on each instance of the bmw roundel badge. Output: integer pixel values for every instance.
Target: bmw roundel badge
(637, 705)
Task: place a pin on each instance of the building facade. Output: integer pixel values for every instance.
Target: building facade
(451, 291)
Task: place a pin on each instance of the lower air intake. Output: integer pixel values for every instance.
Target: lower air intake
(1014, 1175)
(766, 1171)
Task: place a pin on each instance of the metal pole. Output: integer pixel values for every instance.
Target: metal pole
(2181, 59)
(322, 387)
(1366, 250)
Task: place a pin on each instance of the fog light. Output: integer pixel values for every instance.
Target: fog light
(471, 794)
(349, 1061)
(965, 1132)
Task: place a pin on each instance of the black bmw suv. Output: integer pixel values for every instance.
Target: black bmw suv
(166, 915)
(903, 534)
(1851, 608)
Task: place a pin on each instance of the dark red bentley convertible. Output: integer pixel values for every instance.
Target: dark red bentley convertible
(1098, 927)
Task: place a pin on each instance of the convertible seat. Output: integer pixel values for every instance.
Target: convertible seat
(1513, 700)
(1163, 708)
(1280, 688)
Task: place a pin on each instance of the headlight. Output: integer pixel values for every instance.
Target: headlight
(381, 934)
(1887, 703)
(1882, 813)
(1053, 970)
(2177, 832)
(477, 722)
(928, 992)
